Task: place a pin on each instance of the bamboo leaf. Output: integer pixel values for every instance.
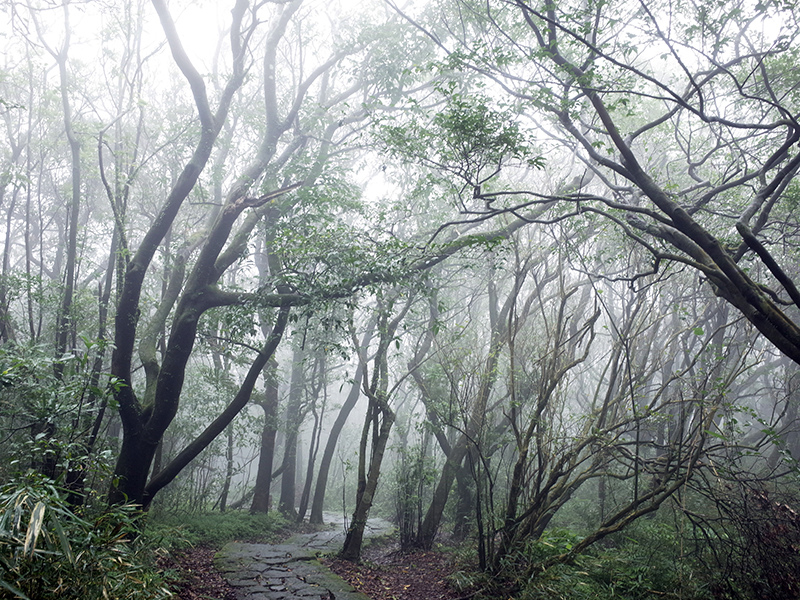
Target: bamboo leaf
(34, 528)
(64, 541)
(19, 506)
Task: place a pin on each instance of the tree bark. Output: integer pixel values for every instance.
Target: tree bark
(144, 425)
(379, 420)
(226, 485)
(261, 495)
(355, 534)
(65, 326)
(316, 432)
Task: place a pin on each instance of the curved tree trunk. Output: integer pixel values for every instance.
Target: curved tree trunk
(219, 424)
(499, 331)
(313, 447)
(145, 424)
(379, 420)
(333, 437)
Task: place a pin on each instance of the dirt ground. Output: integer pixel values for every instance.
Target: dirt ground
(387, 574)
(197, 577)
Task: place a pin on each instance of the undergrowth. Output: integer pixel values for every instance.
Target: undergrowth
(50, 550)
(644, 563)
(176, 531)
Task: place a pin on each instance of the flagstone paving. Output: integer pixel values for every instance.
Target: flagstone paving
(291, 571)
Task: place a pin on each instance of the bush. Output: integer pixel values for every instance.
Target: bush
(750, 539)
(48, 551)
(643, 563)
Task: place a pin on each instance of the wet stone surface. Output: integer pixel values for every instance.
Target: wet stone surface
(291, 571)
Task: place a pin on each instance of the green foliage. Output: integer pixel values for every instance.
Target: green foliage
(49, 551)
(49, 417)
(643, 563)
(326, 253)
(215, 529)
(468, 137)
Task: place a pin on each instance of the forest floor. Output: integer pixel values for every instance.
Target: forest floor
(384, 574)
(196, 576)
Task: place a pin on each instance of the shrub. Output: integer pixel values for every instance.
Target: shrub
(750, 538)
(642, 563)
(48, 551)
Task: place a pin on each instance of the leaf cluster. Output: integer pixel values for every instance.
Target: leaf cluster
(467, 136)
(45, 417)
(49, 551)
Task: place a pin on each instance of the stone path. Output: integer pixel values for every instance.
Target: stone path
(291, 571)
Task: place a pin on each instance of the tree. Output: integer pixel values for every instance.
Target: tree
(145, 425)
(206, 174)
(65, 331)
(264, 475)
(678, 128)
(712, 84)
(473, 417)
(221, 246)
(392, 310)
(378, 421)
(338, 425)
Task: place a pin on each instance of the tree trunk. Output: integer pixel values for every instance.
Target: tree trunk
(144, 424)
(327, 457)
(208, 435)
(319, 380)
(355, 535)
(286, 504)
(312, 457)
(6, 331)
(65, 326)
(226, 486)
(379, 420)
(465, 508)
(261, 497)
(498, 318)
(433, 516)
